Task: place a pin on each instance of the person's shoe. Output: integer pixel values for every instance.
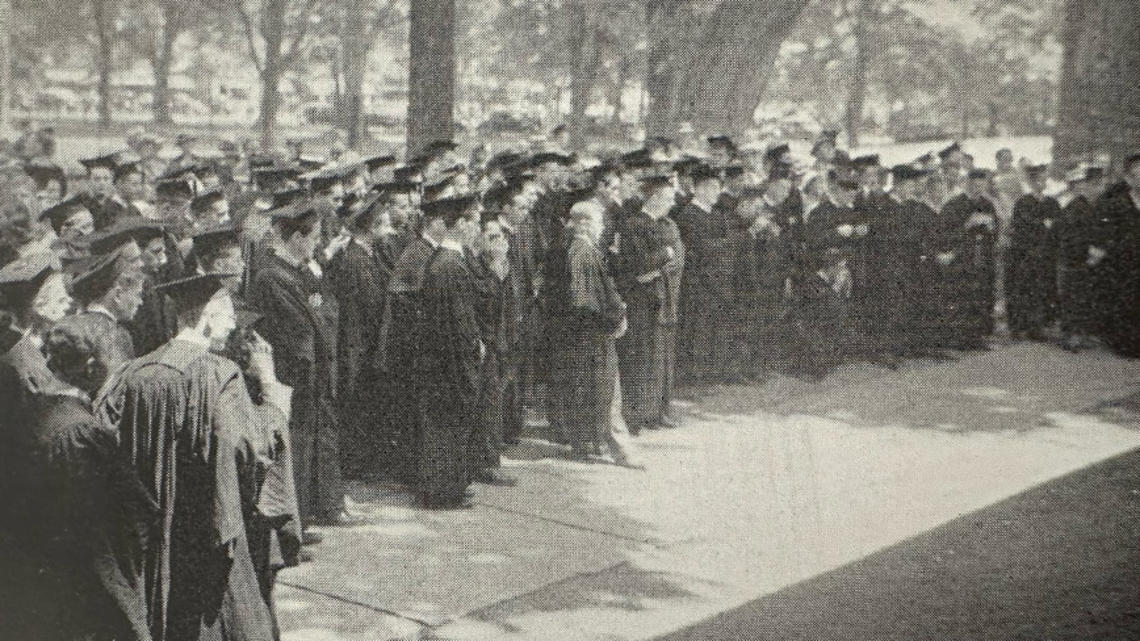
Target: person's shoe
(340, 519)
(309, 537)
(496, 478)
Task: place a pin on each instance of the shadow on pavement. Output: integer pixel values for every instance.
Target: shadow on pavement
(1057, 562)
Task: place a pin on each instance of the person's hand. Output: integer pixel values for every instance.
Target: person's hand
(1048, 222)
(670, 253)
(1096, 254)
(845, 230)
(862, 229)
(945, 258)
(645, 279)
(482, 350)
(622, 329)
(261, 358)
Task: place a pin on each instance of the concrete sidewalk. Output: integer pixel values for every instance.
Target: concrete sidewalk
(764, 487)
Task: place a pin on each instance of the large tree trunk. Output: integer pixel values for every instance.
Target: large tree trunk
(1100, 81)
(104, 56)
(273, 31)
(858, 95)
(5, 66)
(355, 46)
(162, 66)
(431, 73)
(618, 97)
(583, 70)
(712, 68)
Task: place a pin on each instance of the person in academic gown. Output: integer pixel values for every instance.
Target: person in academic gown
(761, 270)
(399, 341)
(32, 296)
(284, 292)
(588, 315)
(186, 422)
(879, 299)
(449, 359)
(109, 289)
(496, 304)
(962, 248)
(77, 519)
(269, 496)
(916, 321)
(1121, 207)
(705, 347)
(649, 268)
(1084, 243)
(359, 278)
(1031, 274)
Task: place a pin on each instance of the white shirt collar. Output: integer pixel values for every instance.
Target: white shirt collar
(433, 243)
(190, 336)
(452, 245)
(96, 308)
(705, 207)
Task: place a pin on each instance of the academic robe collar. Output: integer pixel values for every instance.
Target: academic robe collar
(431, 242)
(701, 206)
(452, 245)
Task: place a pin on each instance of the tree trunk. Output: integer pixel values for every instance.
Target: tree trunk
(5, 67)
(1100, 81)
(104, 23)
(712, 69)
(273, 31)
(858, 96)
(618, 98)
(162, 65)
(583, 68)
(355, 46)
(431, 73)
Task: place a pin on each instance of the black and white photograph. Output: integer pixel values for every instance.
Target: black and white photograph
(569, 320)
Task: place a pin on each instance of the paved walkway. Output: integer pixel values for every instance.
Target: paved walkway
(764, 488)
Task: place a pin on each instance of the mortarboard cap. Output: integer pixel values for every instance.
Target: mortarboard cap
(42, 172)
(656, 179)
(58, 213)
(1130, 160)
(93, 276)
(286, 197)
(978, 174)
(223, 235)
(448, 208)
(906, 172)
(948, 151)
(194, 291)
(410, 173)
(722, 141)
(107, 160)
(297, 210)
(440, 146)
(776, 151)
(638, 159)
(174, 189)
(734, 171)
(122, 170)
(701, 173)
(396, 187)
(377, 162)
(184, 138)
(1095, 173)
(22, 278)
(207, 199)
(437, 189)
(134, 228)
(260, 160)
(870, 160)
(553, 157)
(1036, 170)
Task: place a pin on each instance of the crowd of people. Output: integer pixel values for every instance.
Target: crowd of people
(197, 353)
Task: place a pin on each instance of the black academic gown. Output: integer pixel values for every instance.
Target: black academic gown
(359, 278)
(156, 321)
(304, 351)
(185, 422)
(587, 310)
(1031, 276)
(963, 291)
(705, 347)
(518, 373)
(916, 323)
(76, 523)
(1083, 300)
(399, 340)
(447, 371)
(648, 350)
(877, 299)
(760, 310)
(1123, 272)
(493, 307)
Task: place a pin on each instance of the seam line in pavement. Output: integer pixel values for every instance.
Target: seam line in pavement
(650, 541)
(337, 597)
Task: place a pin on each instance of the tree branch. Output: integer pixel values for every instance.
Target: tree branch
(250, 37)
(290, 56)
